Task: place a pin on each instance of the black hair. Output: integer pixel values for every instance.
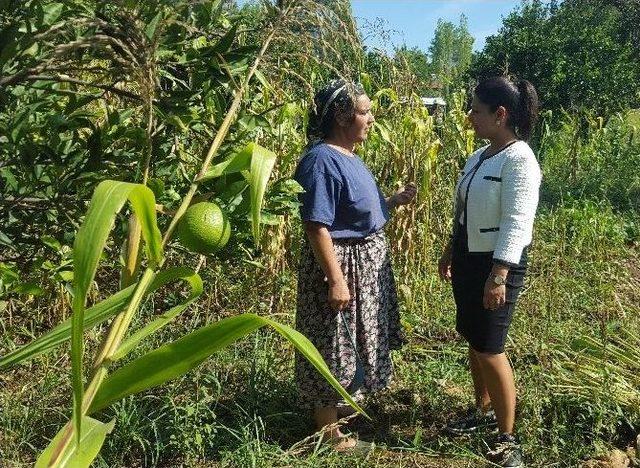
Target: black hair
(519, 98)
(335, 100)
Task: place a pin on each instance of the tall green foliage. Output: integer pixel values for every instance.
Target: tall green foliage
(417, 62)
(451, 51)
(134, 92)
(585, 156)
(578, 54)
(184, 82)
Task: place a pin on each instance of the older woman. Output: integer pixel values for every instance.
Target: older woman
(496, 200)
(347, 304)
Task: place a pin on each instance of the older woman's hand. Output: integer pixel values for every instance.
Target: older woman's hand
(339, 295)
(403, 196)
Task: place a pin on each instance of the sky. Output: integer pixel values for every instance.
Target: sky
(412, 22)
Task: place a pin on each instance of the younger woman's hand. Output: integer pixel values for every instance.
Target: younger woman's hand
(494, 295)
(444, 266)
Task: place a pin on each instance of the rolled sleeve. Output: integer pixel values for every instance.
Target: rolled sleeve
(519, 200)
(320, 197)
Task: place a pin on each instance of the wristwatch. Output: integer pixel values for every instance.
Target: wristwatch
(498, 280)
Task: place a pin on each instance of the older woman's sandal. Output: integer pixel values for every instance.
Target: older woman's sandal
(360, 447)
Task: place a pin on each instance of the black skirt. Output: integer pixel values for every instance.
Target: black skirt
(485, 330)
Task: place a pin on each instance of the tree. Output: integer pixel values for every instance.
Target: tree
(630, 19)
(417, 62)
(579, 54)
(451, 51)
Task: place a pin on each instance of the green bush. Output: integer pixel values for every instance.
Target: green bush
(587, 158)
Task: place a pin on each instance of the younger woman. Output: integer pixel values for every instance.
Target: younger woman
(495, 204)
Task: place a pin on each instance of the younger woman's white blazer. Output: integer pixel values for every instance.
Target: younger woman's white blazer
(502, 201)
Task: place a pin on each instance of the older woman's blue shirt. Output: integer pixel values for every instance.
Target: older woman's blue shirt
(340, 192)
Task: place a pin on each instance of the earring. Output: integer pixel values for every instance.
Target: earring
(498, 122)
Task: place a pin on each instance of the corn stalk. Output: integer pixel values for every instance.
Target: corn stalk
(177, 357)
(609, 367)
(122, 321)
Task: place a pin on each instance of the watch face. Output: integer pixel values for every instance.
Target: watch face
(498, 280)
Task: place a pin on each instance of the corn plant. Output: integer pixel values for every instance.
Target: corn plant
(404, 147)
(608, 367)
(80, 440)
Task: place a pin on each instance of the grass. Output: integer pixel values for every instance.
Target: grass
(239, 409)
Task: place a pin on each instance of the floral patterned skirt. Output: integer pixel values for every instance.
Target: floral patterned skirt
(372, 317)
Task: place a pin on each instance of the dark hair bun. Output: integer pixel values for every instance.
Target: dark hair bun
(520, 99)
(528, 112)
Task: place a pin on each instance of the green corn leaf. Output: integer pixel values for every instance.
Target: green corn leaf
(428, 163)
(76, 456)
(195, 282)
(263, 80)
(387, 93)
(61, 333)
(224, 44)
(240, 161)
(262, 162)
(383, 130)
(93, 316)
(51, 13)
(365, 80)
(108, 199)
(150, 29)
(179, 357)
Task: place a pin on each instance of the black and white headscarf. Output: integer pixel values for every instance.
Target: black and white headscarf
(336, 99)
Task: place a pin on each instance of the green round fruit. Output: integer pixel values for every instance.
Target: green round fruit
(204, 228)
